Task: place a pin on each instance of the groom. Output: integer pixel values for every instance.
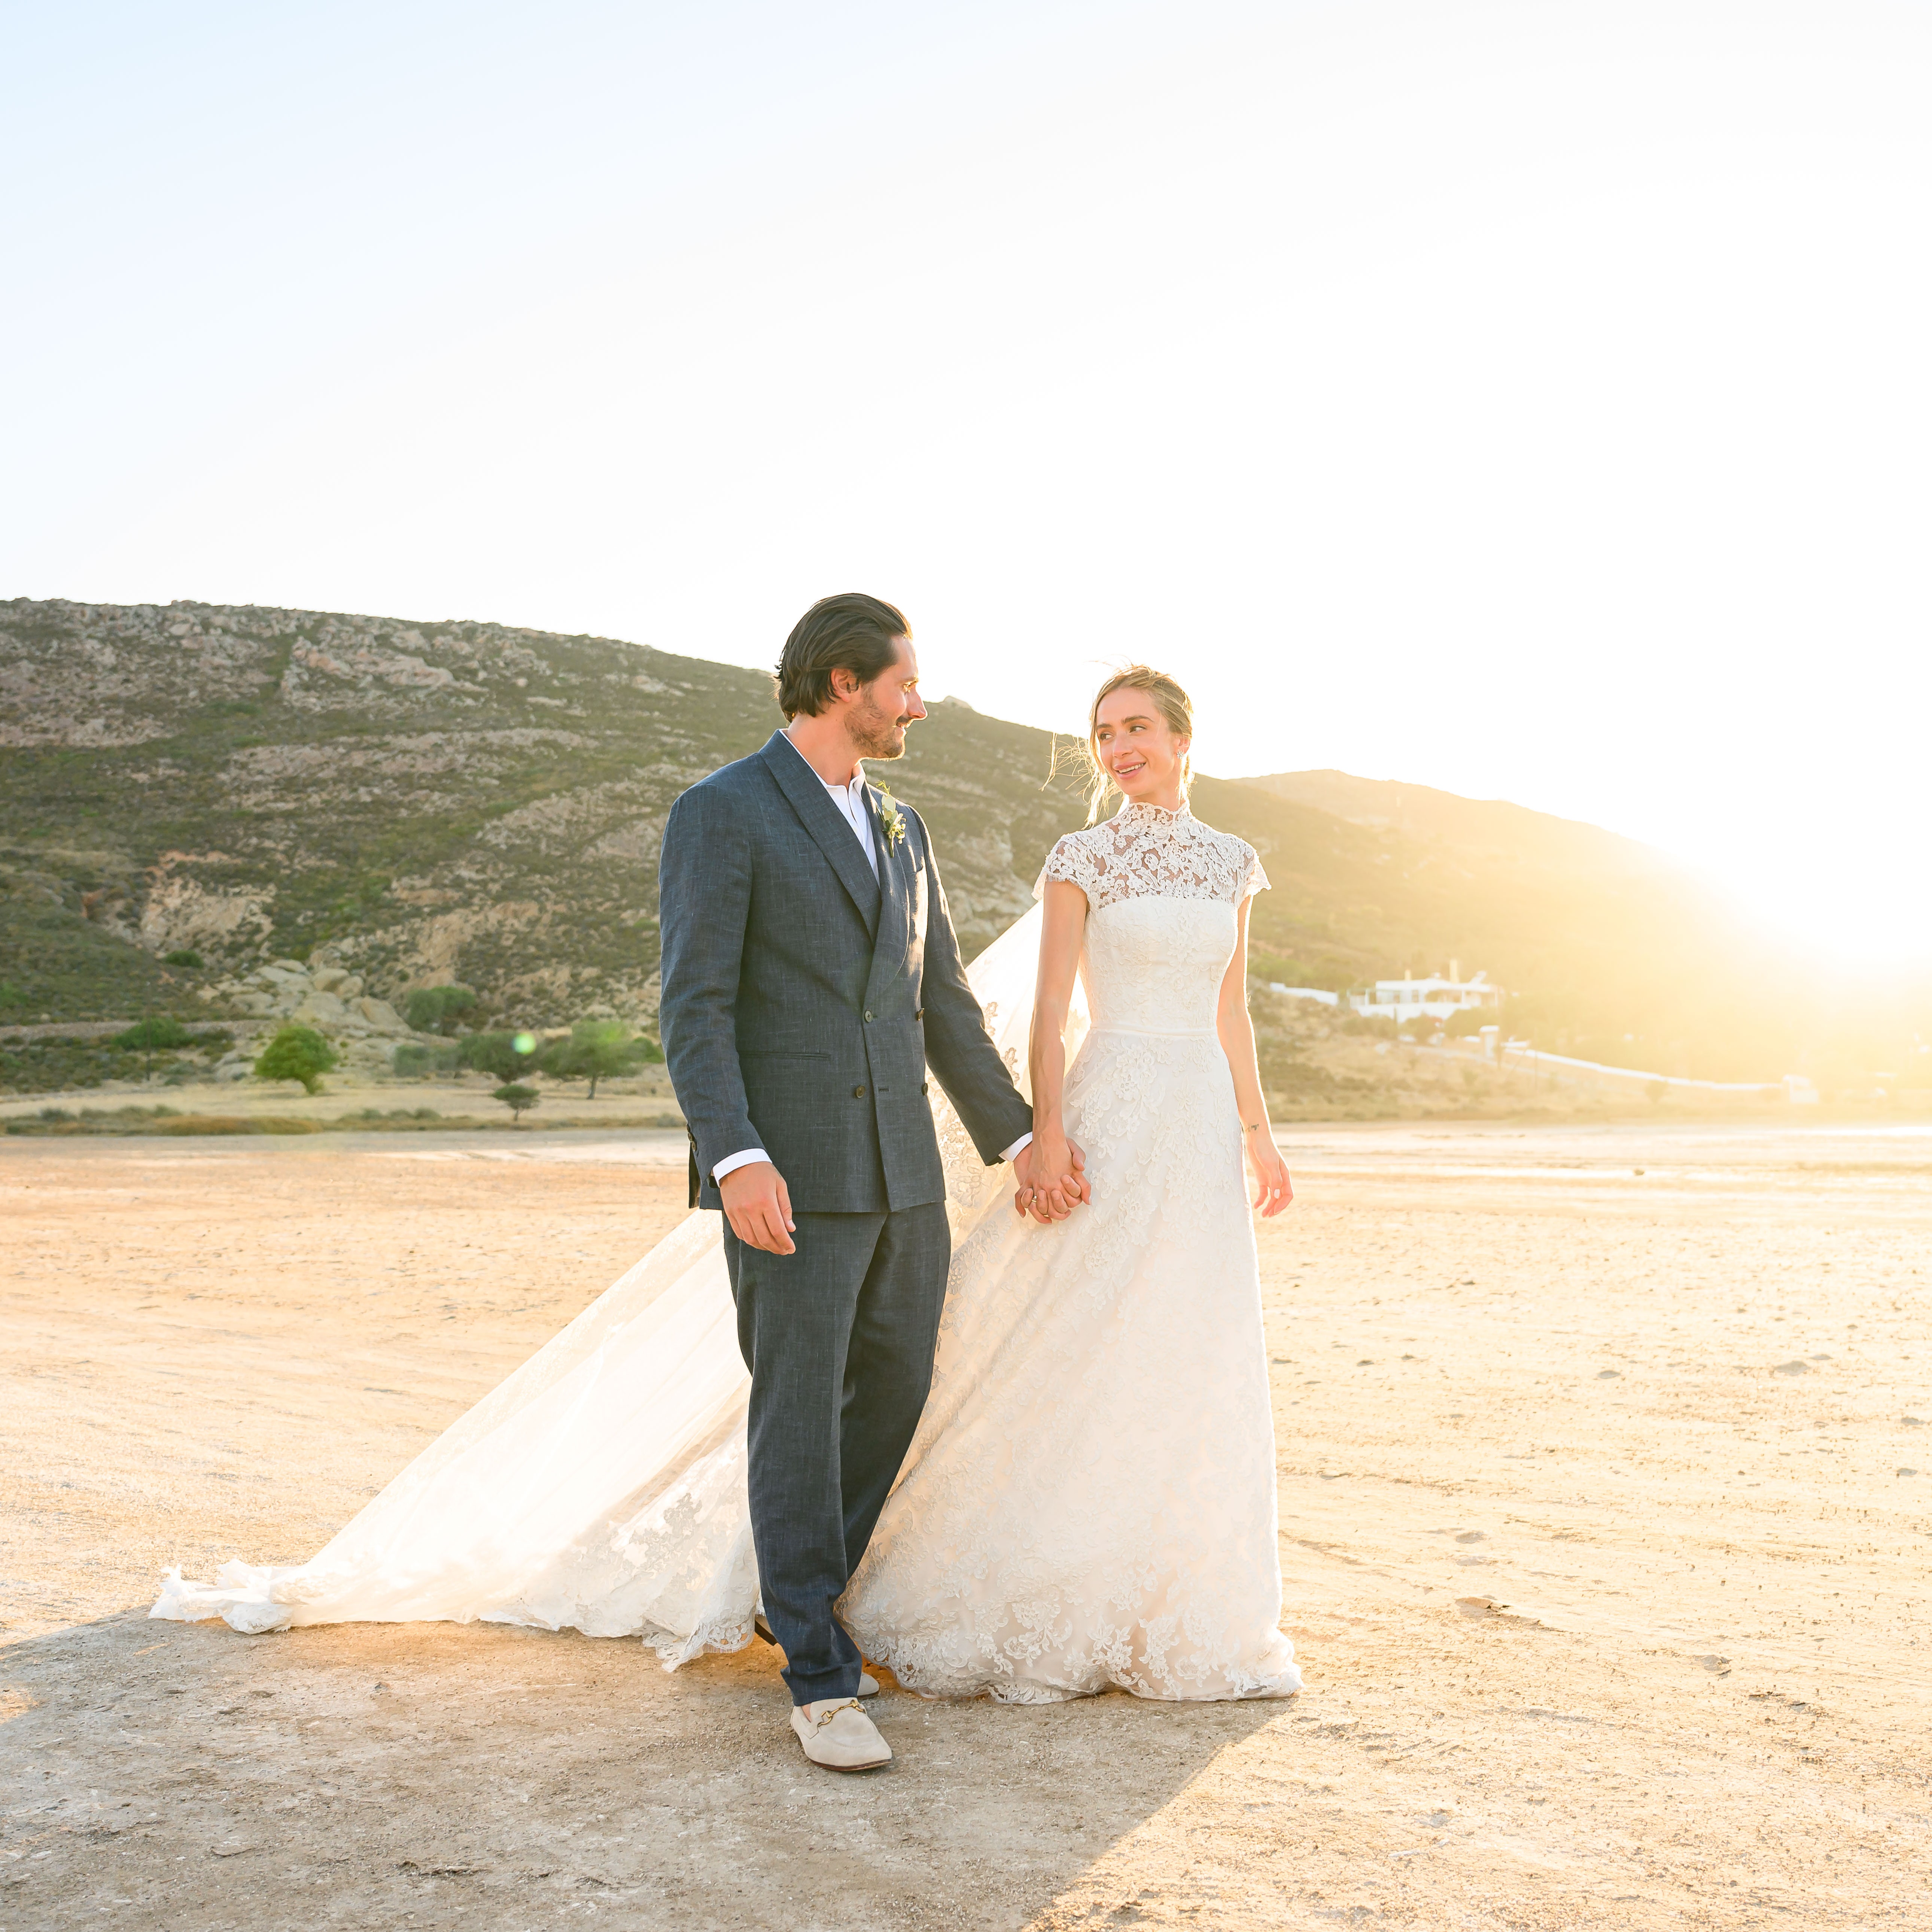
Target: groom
(810, 977)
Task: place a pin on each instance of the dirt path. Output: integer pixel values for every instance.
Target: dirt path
(1600, 1552)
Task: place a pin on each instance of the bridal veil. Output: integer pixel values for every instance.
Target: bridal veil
(601, 1487)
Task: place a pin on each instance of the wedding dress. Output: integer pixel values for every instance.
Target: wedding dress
(1090, 1499)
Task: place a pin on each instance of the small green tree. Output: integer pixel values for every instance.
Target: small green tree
(596, 1050)
(434, 1009)
(518, 1098)
(507, 1055)
(296, 1053)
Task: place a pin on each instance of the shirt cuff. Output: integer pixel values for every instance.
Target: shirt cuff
(1008, 1154)
(732, 1162)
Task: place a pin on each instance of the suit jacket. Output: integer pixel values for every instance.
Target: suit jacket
(804, 1000)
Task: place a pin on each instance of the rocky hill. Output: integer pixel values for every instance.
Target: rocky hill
(407, 803)
(191, 792)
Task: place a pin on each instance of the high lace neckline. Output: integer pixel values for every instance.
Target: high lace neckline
(1141, 812)
(1146, 851)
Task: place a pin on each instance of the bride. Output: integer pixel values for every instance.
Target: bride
(1089, 1498)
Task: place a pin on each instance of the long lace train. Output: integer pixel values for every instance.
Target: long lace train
(601, 1486)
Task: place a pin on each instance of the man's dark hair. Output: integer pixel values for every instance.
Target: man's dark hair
(849, 632)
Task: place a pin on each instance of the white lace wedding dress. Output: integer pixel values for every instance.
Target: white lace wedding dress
(1090, 1497)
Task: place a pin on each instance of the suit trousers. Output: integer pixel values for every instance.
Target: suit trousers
(839, 1339)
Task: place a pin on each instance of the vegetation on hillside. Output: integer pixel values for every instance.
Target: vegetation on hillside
(190, 791)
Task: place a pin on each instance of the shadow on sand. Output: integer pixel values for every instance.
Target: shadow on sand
(353, 1775)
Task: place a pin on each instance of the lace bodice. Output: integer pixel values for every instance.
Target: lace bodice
(1162, 891)
(1144, 852)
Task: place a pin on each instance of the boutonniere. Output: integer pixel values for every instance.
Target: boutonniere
(891, 818)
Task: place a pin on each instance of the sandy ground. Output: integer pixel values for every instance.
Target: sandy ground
(467, 1098)
(1602, 1546)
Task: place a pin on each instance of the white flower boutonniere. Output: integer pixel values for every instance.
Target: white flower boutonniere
(891, 818)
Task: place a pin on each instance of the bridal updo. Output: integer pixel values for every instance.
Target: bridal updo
(1177, 710)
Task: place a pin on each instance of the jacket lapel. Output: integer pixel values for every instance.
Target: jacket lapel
(895, 914)
(827, 825)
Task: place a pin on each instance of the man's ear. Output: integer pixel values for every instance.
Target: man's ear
(845, 683)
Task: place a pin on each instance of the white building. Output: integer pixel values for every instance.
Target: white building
(1304, 993)
(1403, 1000)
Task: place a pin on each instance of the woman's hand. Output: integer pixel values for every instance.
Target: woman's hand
(1051, 1171)
(1272, 1192)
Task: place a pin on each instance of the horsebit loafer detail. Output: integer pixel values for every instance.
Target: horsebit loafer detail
(838, 1734)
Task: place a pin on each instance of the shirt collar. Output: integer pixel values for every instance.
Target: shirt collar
(854, 789)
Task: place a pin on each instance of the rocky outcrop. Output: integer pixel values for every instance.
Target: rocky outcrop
(328, 998)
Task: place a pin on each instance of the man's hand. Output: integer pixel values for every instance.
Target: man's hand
(1046, 1195)
(759, 1207)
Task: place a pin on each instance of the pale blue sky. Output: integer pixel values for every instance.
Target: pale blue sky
(1529, 399)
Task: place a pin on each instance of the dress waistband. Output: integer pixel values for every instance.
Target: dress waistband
(1161, 1032)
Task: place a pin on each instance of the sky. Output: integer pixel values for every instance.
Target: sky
(1528, 400)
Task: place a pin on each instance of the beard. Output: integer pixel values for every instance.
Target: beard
(875, 733)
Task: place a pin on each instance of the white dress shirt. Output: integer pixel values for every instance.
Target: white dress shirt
(849, 799)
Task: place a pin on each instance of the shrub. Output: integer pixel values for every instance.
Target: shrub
(505, 1054)
(1380, 1026)
(182, 955)
(433, 1008)
(152, 1035)
(519, 1099)
(596, 1050)
(414, 1060)
(296, 1053)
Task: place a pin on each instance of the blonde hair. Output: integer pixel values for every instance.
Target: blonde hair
(1176, 708)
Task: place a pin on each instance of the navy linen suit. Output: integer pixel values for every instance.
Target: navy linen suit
(803, 1001)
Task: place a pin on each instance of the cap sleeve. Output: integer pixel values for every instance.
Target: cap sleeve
(1253, 878)
(1071, 861)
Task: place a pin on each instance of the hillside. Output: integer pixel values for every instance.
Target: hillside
(1610, 950)
(410, 802)
(1502, 832)
(415, 802)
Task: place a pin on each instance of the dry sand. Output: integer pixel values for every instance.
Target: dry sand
(1601, 1548)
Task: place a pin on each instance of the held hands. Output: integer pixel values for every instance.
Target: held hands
(1051, 1172)
(1272, 1190)
(759, 1207)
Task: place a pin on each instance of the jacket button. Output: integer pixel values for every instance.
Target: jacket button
(858, 1093)
(868, 1016)
(919, 1013)
(921, 1086)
